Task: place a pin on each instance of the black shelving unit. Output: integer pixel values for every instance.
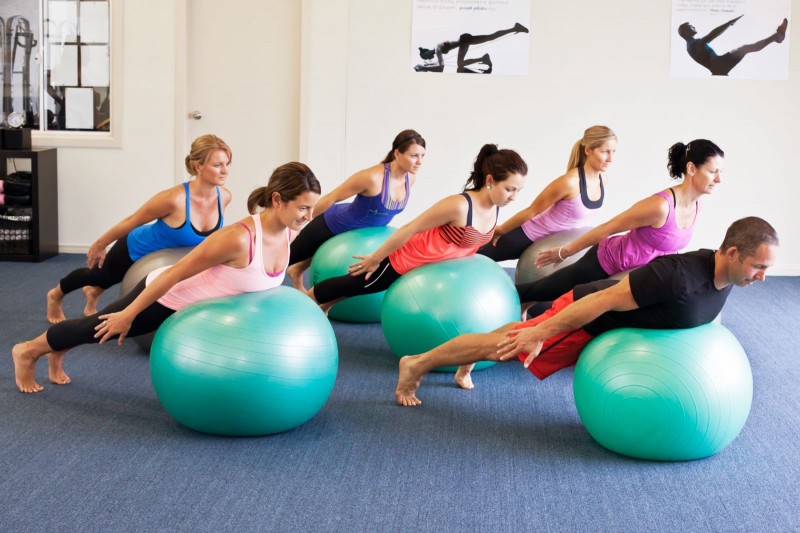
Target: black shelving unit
(43, 223)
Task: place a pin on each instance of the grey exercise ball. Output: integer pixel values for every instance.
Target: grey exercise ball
(527, 271)
(140, 269)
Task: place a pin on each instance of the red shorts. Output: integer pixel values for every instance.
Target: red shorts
(559, 351)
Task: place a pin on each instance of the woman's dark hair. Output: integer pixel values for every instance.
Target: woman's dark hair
(747, 234)
(403, 142)
(426, 53)
(290, 180)
(698, 152)
(499, 163)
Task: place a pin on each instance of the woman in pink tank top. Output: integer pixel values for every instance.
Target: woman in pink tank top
(658, 225)
(568, 202)
(248, 256)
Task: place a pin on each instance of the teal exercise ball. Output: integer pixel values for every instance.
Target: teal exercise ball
(434, 303)
(333, 258)
(245, 365)
(666, 395)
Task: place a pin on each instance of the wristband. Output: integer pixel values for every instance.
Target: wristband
(559, 253)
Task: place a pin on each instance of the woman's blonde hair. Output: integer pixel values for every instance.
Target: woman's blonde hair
(201, 150)
(592, 138)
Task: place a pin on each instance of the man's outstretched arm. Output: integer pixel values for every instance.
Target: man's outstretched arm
(615, 298)
(719, 30)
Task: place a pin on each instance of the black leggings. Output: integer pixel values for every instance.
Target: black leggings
(347, 286)
(117, 262)
(71, 333)
(584, 270)
(509, 246)
(309, 240)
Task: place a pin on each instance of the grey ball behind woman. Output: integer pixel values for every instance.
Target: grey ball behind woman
(140, 270)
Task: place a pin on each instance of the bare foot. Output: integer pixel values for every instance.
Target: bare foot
(55, 362)
(407, 384)
(464, 377)
(25, 368)
(54, 312)
(295, 273)
(92, 295)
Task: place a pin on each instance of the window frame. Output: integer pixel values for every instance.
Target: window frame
(95, 139)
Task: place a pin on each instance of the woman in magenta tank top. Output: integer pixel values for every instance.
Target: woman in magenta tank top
(183, 215)
(381, 192)
(453, 227)
(248, 256)
(568, 202)
(658, 225)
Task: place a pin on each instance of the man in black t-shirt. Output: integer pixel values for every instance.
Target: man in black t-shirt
(671, 292)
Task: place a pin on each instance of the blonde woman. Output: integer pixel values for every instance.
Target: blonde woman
(182, 215)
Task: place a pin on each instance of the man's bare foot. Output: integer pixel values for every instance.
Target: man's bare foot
(464, 377)
(92, 295)
(780, 33)
(55, 313)
(25, 368)
(55, 363)
(407, 383)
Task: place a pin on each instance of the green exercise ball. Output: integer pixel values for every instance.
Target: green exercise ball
(140, 270)
(245, 365)
(667, 395)
(433, 303)
(333, 258)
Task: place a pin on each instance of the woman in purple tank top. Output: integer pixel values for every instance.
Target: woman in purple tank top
(658, 225)
(380, 191)
(566, 203)
(279, 211)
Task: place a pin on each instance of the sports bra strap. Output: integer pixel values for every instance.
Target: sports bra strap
(469, 211)
(250, 235)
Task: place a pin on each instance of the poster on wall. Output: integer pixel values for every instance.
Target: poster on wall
(744, 39)
(471, 36)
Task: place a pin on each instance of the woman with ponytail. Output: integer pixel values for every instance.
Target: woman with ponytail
(570, 201)
(453, 227)
(658, 225)
(183, 215)
(248, 256)
(381, 192)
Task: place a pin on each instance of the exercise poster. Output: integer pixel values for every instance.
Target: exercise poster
(744, 39)
(471, 37)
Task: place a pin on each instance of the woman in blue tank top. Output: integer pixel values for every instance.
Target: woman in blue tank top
(182, 215)
(381, 192)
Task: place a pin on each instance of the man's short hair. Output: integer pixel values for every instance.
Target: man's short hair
(684, 30)
(747, 234)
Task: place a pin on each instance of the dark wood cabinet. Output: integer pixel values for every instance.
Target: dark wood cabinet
(40, 219)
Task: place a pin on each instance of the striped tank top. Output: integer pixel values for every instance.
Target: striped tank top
(440, 243)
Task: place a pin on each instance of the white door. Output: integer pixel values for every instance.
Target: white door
(242, 78)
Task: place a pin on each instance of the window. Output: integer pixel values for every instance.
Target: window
(58, 69)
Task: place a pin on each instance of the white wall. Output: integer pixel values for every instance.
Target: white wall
(591, 63)
(99, 186)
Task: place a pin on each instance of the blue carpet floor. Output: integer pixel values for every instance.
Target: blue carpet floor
(512, 455)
